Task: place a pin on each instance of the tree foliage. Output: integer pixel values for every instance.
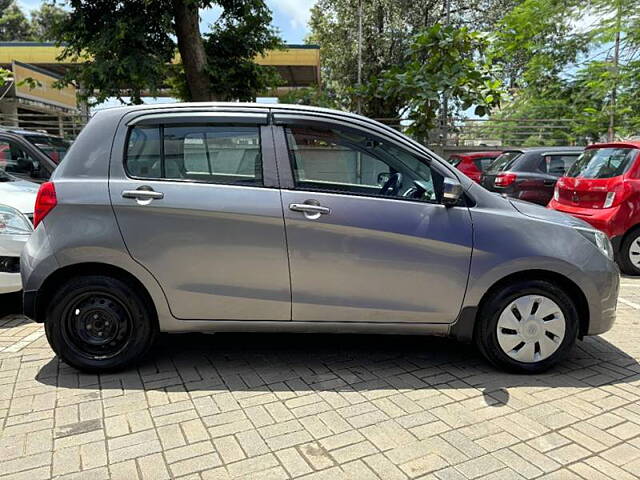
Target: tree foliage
(127, 48)
(43, 20)
(441, 61)
(388, 29)
(14, 25)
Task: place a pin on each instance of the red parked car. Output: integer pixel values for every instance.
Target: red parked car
(603, 188)
(472, 164)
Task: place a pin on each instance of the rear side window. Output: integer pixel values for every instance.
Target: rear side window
(603, 162)
(557, 164)
(202, 153)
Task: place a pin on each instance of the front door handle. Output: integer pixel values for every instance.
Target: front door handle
(143, 193)
(309, 209)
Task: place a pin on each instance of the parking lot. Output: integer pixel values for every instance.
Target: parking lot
(322, 406)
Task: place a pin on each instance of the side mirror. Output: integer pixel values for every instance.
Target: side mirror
(451, 192)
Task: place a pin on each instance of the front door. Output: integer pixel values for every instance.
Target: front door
(368, 239)
(194, 209)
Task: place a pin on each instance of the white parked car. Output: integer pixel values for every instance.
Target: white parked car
(15, 229)
(26, 160)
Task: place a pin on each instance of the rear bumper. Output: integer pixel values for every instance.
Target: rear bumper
(612, 221)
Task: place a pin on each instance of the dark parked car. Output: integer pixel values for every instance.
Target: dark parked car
(472, 164)
(530, 173)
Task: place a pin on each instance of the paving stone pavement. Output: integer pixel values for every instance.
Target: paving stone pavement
(324, 407)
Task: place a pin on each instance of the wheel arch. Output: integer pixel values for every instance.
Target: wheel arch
(465, 326)
(63, 274)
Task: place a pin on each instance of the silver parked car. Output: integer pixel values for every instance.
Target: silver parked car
(248, 217)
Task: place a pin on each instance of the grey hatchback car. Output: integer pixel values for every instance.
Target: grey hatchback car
(248, 217)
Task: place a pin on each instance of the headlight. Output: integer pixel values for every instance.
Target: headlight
(599, 239)
(12, 222)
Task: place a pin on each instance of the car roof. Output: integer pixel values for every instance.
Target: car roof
(544, 149)
(26, 133)
(626, 144)
(488, 153)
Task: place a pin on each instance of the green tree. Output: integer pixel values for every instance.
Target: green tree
(44, 19)
(5, 76)
(441, 61)
(312, 96)
(242, 33)
(388, 27)
(127, 48)
(14, 26)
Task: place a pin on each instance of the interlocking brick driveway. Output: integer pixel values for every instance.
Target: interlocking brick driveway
(320, 406)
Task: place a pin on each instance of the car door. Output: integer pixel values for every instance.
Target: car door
(198, 207)
(357, 255)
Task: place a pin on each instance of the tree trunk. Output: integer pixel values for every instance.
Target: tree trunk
(194, 58)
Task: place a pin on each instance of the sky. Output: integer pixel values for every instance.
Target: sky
(290, 17)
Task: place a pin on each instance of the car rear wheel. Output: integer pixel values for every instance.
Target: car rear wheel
(629, 257)
(527, 327)
(99, 324)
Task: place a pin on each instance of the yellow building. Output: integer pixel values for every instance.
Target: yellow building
(40, 105)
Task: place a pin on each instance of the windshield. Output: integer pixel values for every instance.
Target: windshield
(602, 163)
(55, 147)
(503, 162)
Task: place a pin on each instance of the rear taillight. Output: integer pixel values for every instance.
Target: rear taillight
(45, 201)
(505, 179)
(608, 201)
(556, 193)
(617, 195)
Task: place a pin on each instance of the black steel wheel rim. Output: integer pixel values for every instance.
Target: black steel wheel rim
(97, 325)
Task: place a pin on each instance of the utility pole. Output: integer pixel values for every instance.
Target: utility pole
(445, 99)
(359, 106)
(611, 134)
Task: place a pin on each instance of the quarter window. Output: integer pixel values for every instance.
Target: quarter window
(328, 159)
(203, 153)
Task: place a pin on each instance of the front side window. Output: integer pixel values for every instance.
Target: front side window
(603, 162)
(341, 161)
(201, 153)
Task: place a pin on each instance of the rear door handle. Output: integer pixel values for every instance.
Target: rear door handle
(143, 194)
(309, 209)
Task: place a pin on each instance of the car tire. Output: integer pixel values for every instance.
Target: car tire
(100, 324)
(629, 248)
(543, 335)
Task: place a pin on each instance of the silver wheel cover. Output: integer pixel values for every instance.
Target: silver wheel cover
(531, 328)
(634, 252)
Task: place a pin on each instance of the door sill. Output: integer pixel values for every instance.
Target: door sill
(174, 325)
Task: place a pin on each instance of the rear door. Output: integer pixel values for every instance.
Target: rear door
(197, 203)
(369, 240)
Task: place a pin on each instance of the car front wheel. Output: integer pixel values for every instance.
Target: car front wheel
(99, 324)
(527, 327)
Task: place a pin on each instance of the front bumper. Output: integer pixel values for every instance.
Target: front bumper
(600, 283)
(11, 246)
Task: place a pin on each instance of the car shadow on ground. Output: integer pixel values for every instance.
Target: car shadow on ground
(227, 362)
